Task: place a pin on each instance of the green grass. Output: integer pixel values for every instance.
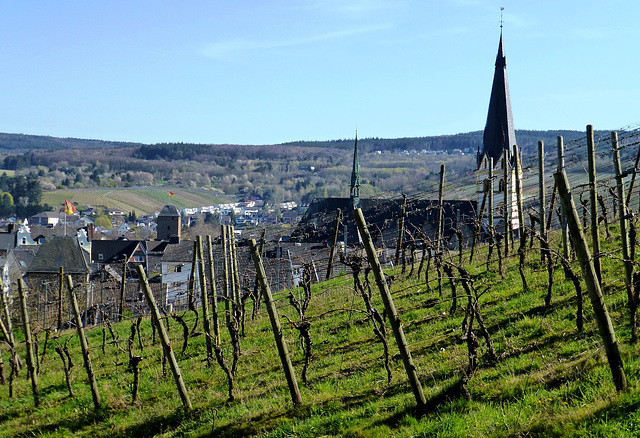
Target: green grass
(550, 380)
(141, 200)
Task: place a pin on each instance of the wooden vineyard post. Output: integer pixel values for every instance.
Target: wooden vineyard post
(225, 258)
(565, 230)
(7, 330)
(205, 300)
(283, 351)
(519, 197)
(506, 207)
(521, 227)
(390, 309)
(593, 285)
(624, 233)
(440, 209)
(237, 299)
(60, 297)
(123, 288)
(334, 242)
(400, 229)
(31, 367)
(214, 293)
(593, 202)
(542, 197)
(490, 195)
(95, 393)
(164, 338)
(192, 277)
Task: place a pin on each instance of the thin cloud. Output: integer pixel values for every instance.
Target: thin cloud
(227, 48)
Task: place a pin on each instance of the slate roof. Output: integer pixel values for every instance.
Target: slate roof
(7, 241)
(179, 252)
(169, 210)
(56, 252)
(113, 251)
(499, 132)
(318, 223)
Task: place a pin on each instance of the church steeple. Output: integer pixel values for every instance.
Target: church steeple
(355, 178)
(499, 132)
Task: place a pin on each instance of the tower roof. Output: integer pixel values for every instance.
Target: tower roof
(169, 210)
(499, 132)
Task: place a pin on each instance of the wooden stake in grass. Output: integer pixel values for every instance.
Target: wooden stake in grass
(27, 336)
(523, 232)
(205, 300)
(605, 326)
(7, 330)
(400, 229)
(123, 286)
(60, 297)
(283, 351)
(164, 338)
(214, 293)
(334, 242)
(626, 247)
(593, 202)
(390, 308)
(95, 393)
(440, 210)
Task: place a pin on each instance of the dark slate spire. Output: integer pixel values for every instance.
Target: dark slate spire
(499, 131)
(355, 177)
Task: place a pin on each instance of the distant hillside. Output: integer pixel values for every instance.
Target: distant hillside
(527, 139)
(18, 143)
(297, 171)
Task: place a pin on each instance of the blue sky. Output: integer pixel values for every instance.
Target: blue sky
(272, 71)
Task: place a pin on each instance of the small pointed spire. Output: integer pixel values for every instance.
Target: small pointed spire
(499, 131)
(355, 177)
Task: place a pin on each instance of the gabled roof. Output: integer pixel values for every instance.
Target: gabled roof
(56, 252)
(24, 256)
(181, 252)
(7, 241)
(113, 251)
(499, 132)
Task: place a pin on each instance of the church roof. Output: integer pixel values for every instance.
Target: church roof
(499, 132)
(56, 252)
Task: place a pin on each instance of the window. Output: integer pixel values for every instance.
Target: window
(138, 259)
(100, 257)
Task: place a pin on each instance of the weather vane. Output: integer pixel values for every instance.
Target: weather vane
(501, 9)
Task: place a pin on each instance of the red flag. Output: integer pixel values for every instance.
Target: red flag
(69, 208)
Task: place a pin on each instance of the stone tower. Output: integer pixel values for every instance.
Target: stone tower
(169, 224)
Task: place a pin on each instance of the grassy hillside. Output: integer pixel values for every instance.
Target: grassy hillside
(550, 379)
(142, 200)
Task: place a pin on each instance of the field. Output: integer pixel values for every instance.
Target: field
(550, 378)
(142, 200)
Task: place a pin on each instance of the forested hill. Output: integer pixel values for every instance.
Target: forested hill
(18, 143)
(527, 139)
